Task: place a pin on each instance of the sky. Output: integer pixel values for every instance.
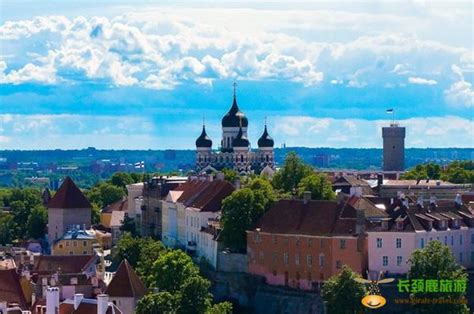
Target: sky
(144, 75)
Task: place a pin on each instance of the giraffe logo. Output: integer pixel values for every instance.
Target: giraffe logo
(374, 299)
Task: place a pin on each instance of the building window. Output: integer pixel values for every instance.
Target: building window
(399, 260)
(310, 242)
(385, 261)
(342, 244)
(274, 239)
(460, 257)
(67, 243)
(84, 252)
(84, 243)
(297, 242)
(422, 243)
(445, 240)
(338, 264)
(260, 255)
(460, 239)
(71, 252)
(472, 238)
(60, 246)
(257, 238)
(379, 242)
(74, 243)
(309, 260)
(297, 258)
(321, 243)
(321, 260)
(285, 258)
(285, 240)
(452, 240)
(274, 257)
(398, 243)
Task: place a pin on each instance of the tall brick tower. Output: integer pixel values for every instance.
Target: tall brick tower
(393, 147)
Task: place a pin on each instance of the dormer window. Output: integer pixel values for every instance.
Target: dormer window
(455, 223)
(384, 225)
(400, 225)
(442, 224)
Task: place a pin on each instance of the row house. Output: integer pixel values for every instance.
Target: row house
(190, 216)
(412, 224)
(301, 243)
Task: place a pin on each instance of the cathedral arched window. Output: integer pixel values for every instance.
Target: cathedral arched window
(241, 158)
(267, 158)
(200, 158)
(228, 142)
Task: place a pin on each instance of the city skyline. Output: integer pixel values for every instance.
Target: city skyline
(144, 76)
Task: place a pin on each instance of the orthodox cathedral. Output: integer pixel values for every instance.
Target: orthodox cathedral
(235, 151)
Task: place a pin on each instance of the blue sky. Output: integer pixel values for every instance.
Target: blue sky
(144, 74)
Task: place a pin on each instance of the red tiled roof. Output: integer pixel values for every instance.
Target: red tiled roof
(126, 283)
(119, 206)
(69, 264)
(296, 217)
(69, 196)
(205, 195)
(10, 288)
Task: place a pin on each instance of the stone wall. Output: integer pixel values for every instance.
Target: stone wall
(232, 262)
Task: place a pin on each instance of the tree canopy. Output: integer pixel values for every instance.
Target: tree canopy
(37, 221)
(342, 293)
(436, 261)
(291, 173)
(242, 209)
(180, 288)
(455, 172)
(319, 186)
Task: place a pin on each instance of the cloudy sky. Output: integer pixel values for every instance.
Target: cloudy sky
(143, 75)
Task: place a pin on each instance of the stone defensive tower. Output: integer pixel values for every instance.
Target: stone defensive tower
(393, 147)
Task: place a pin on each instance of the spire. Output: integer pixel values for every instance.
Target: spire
(204, 140)
(235, 89)
(265, 140)
(231, 119)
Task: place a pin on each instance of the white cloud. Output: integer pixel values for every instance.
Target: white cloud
(421, 81)
(460, 93)
(165, 47)
(447, 131)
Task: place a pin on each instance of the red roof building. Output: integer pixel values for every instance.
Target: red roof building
(300, 243)
(10, 288)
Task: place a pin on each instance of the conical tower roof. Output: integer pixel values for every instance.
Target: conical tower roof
(69, 196)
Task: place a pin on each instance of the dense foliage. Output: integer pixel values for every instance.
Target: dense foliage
(319, 186)
(436, 261)
(342, 293)
(26, 217)
(291, 173)
(242, 209)
(455, 172)
(176, 286)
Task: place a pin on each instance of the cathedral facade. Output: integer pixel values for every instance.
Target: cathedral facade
(235, 151)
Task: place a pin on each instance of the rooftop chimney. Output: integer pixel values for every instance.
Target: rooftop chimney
(360, 221)
(458, 199)
(379, 179)
(77, 300)
(306, 196)
(52, 300)
(102, 303)
(220, 176)
(419, 201)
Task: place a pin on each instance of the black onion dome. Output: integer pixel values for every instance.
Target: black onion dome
(203, 140)
(234, 116)
(265, 140)
(241, 140)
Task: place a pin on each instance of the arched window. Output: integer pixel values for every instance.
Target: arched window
(267, 158)
(200, 158)
(228, 142)
(241, 158)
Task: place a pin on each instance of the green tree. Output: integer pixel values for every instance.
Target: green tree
(121, 179)
(436, 261)
(128, 248)
(220, 308)
(160, 302)
(128, 225)
(319, 186)
(238, 213)
(7, 228)
(291, 173)
(105, 194)
(342, 293)
(37, 221)
(181, 288)
(264, 187)
(230, 175)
